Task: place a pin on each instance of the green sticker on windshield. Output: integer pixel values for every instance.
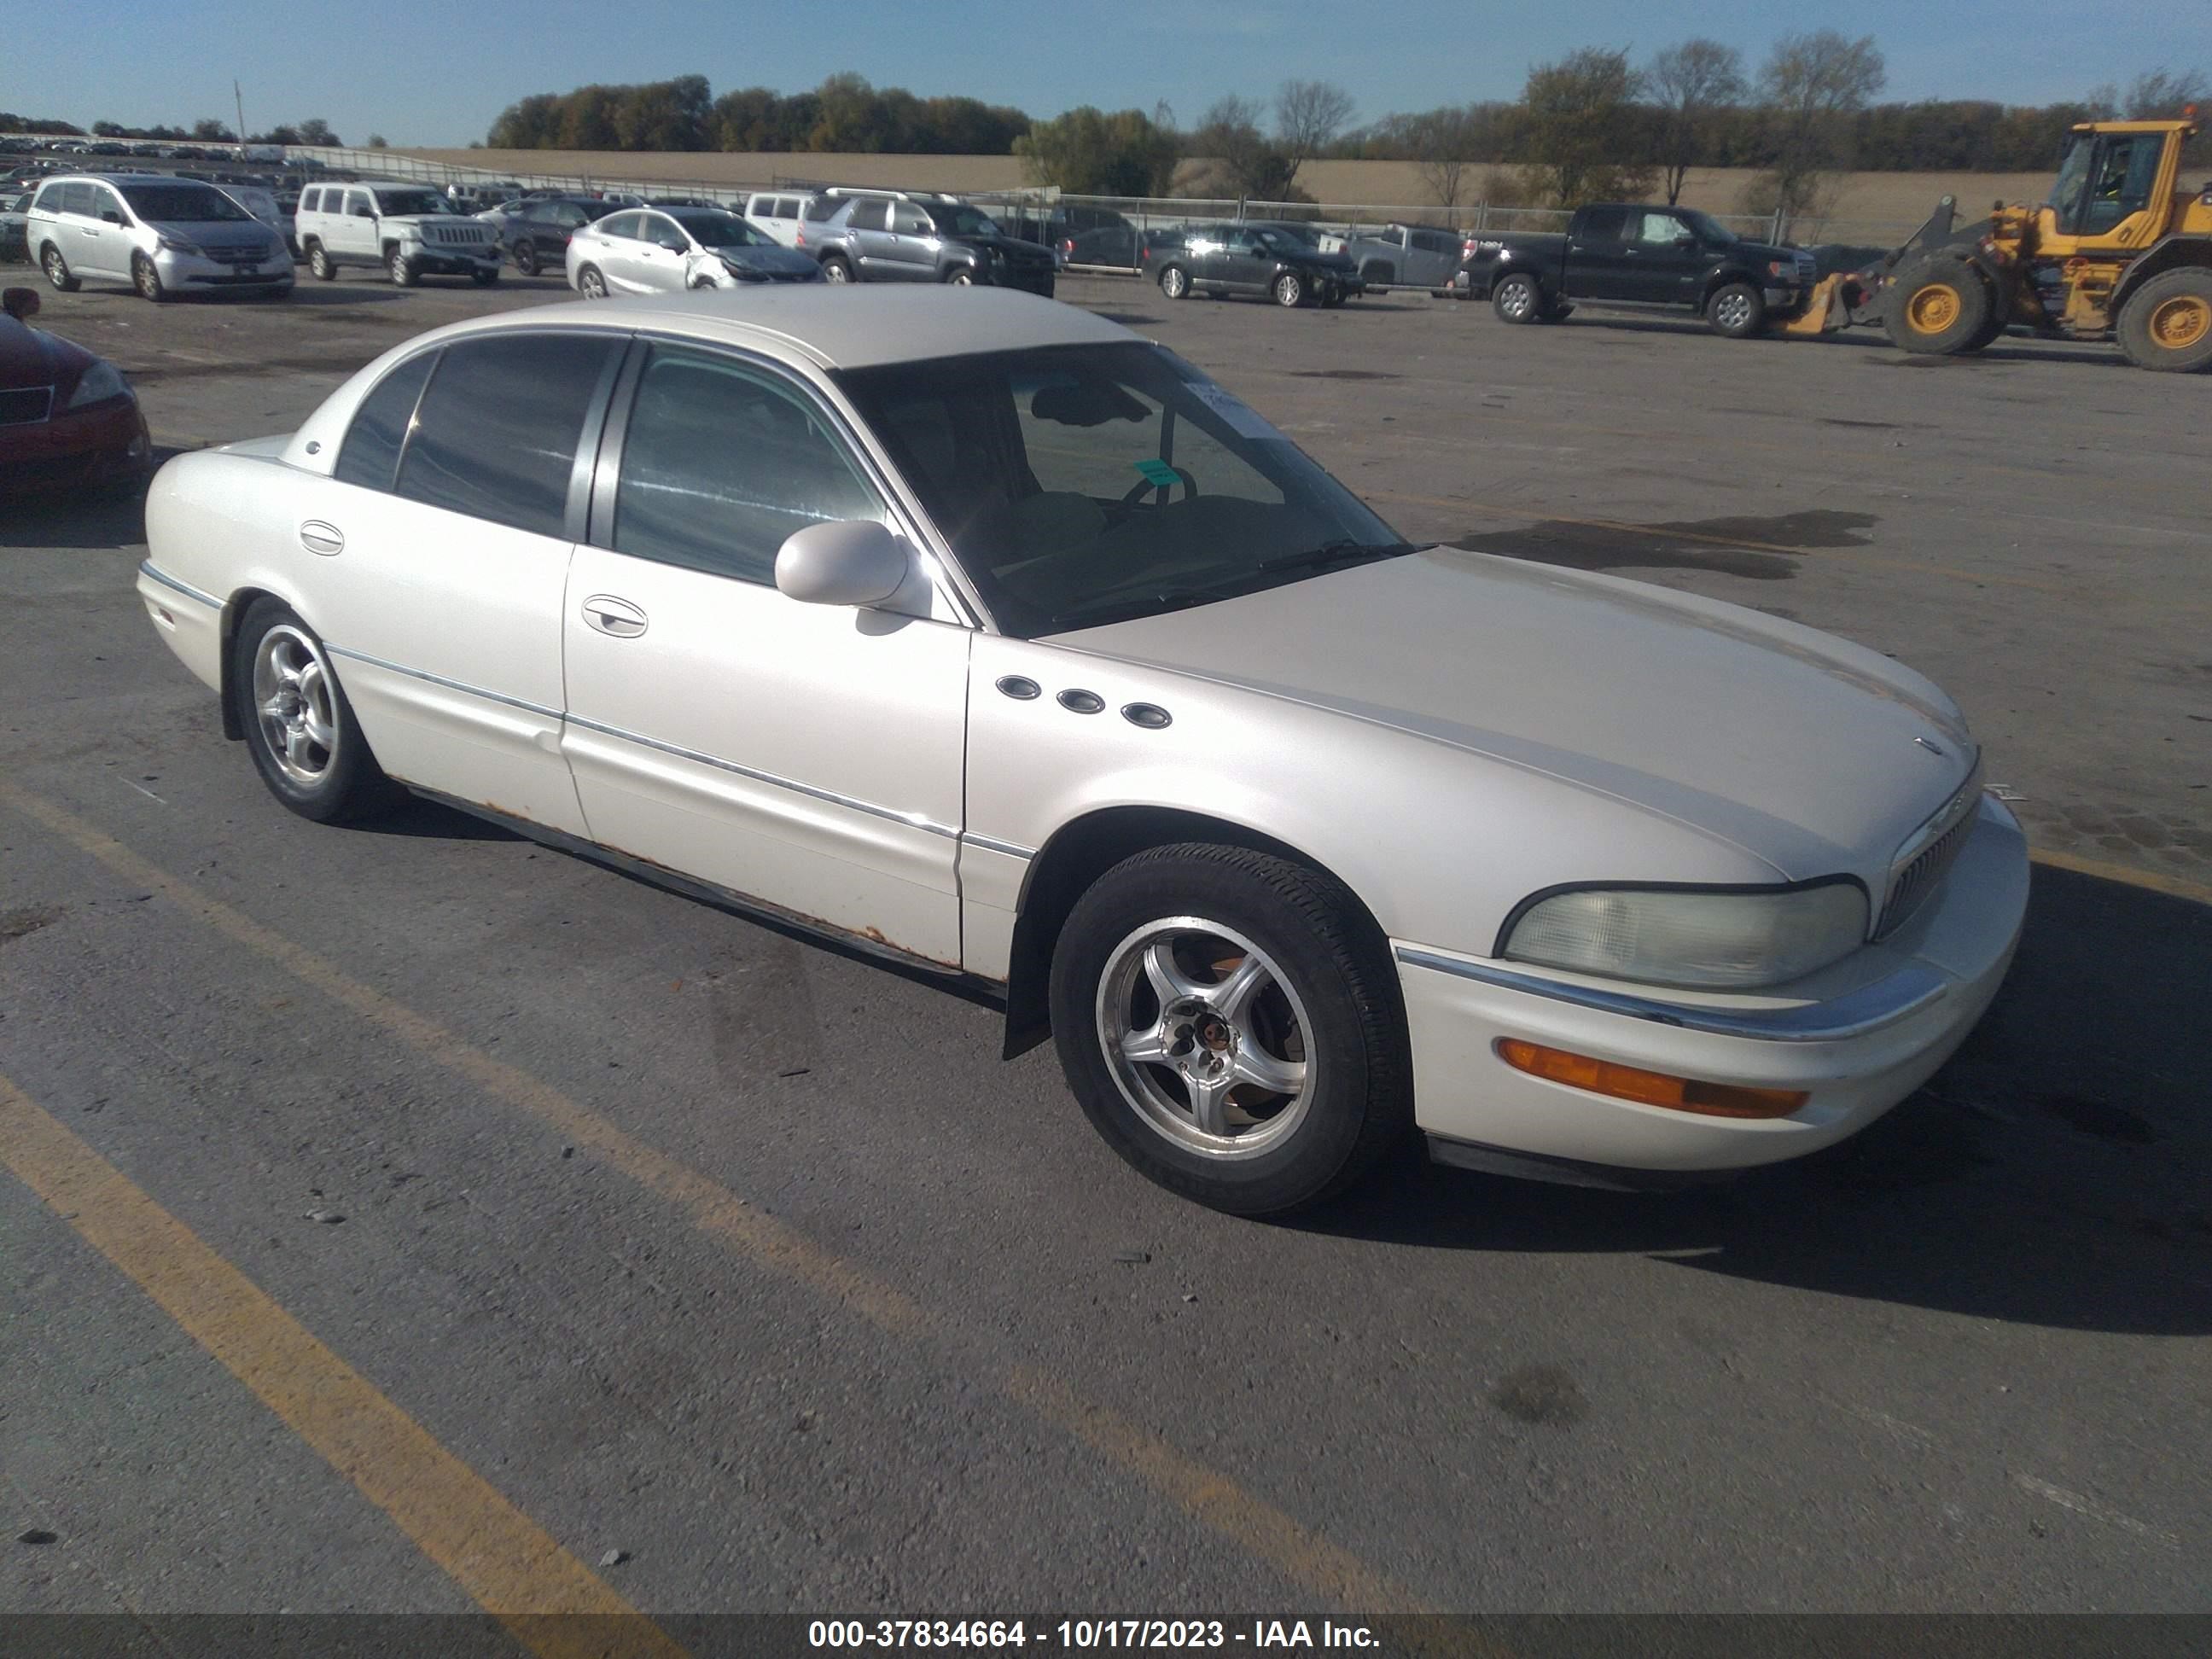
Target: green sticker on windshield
(1157, 472)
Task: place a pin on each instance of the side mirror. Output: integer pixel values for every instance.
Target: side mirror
(841, 562)
(20, 303)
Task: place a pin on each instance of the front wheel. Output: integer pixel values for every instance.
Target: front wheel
(325, 268)
(1290, 290)
(148, 281)
(1230, 1021)
(1736, 312)
(591, 284)
(401, 268)
(1518, 299)
(1937, 306)
(2166, 323)
(1174, 282)
(961, 277)
(306, 743)
(834, 270)
(57, 271)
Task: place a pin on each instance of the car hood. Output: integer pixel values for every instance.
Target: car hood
(1808, 752)
(1014, 247)
(773, 261)
(1762, 253)
(31, 356)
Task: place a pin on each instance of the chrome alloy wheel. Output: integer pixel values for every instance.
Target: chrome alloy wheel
(294, 698)
(1518, 301)
(1206, 1038)
(1732, 311)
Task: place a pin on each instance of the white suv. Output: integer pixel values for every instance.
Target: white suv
(409, 231)
(161, 235)
(778, 212)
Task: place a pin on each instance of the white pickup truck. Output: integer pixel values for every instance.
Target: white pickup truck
(1399, 256)
(408, 231)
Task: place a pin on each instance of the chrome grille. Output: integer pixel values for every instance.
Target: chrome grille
(237, 255)
(1926, 861)
(26, 405)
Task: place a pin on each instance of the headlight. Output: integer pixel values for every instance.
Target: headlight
(1717, 939)
(97, 384)
(179, 245)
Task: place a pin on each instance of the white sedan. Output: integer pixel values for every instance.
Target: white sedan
(972, 631)
(668, 250)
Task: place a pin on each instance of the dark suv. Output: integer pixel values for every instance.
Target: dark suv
(537, 232)
(923, 239)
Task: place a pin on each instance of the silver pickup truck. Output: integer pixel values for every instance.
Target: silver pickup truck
(1400, 256)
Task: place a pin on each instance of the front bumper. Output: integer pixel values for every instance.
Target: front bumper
(190, 270)
(1858, 1053)
(450, 262)
(1030, 279)
(106, 443)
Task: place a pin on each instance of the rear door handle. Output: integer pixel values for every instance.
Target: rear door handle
(617, 617)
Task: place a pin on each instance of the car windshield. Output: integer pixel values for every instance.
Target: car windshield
(1087, 484)
(396, 203)
(1305, 233)
(182, 204)
(2073, 172)
(1709, 229)
(714, 229)
(964, 221)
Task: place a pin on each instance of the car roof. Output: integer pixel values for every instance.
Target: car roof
(832, 326)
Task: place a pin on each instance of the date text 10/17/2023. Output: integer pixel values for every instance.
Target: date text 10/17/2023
(1088, 1633)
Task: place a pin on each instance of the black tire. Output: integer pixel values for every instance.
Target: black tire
(147, 282)
(1992, 332)
(57, 272)
(351, 785)
(1518, 299)
(1290, 290)
(1736, 310)
(1324, 947)
(526, 257)
(1937, 306)
(319, 263)
(1174, 282)
(483, 278)
(2166, 323)
(1378, 273)
(589, 283)
(401, 270)
(960, 277)
(836, 269)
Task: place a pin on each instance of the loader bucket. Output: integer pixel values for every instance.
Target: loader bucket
(1829, 309)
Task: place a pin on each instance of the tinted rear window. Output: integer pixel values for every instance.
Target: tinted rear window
(868, 215)
(495, 434)
(371, 450)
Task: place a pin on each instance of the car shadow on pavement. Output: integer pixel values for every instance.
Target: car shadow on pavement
(106, 518)
(2056, 1172)
(308, 292)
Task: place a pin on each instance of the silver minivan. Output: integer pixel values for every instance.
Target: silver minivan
(161, 235)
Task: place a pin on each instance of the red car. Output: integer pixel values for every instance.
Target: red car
(68, 419)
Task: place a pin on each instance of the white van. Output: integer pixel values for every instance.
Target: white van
(161, 235)
(778, 212)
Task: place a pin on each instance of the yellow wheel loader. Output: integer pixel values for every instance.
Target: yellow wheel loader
(2122, 251)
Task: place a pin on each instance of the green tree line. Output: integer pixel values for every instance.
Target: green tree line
(844, 113)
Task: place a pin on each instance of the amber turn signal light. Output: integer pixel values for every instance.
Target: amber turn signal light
(1681, 1094)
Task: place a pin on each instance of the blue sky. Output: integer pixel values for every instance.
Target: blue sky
(437, 73)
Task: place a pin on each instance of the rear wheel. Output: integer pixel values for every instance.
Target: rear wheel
(2166, 323)
(526, 257)
(147, 280)
(1937, 306)
(325, 268)
(834, 270)
(1229, 1021)
(1174, 282)
(1289, 290)
(589, 283)
(57, 271)
(306, 743)
(1517, 298)
(1736, 312)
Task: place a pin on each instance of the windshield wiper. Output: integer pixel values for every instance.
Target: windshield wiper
(1344, 550)
(1156, 602)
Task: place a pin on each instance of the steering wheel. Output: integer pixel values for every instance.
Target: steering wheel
(1137, 491)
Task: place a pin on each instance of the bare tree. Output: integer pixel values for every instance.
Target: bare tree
(1812, 84)
(1440, 142)
(1689, 84)
(1581, 129)
(1238, 159)
(2163, 93)
(1308, 115)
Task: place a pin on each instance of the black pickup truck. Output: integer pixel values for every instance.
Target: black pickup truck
(1624, 255)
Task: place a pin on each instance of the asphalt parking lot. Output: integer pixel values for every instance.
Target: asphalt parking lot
(736, 1275)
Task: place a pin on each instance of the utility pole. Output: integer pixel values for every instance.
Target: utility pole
(238, 100)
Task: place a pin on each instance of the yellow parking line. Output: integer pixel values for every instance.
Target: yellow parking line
(1209, 1496)
(2155, 881)
(512, 1566)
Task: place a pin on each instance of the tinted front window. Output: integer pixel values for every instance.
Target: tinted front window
(1709, 230)
(182, 204)
(371, 450)
(964, 221)
(625, 225)
(496, 435)
(77, 198)
(721, 462)
(1085, 484)
(1655, 229)
(907, 221)
(785, 208)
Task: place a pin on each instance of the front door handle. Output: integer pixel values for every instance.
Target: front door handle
(617, 617)
(319, 536)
